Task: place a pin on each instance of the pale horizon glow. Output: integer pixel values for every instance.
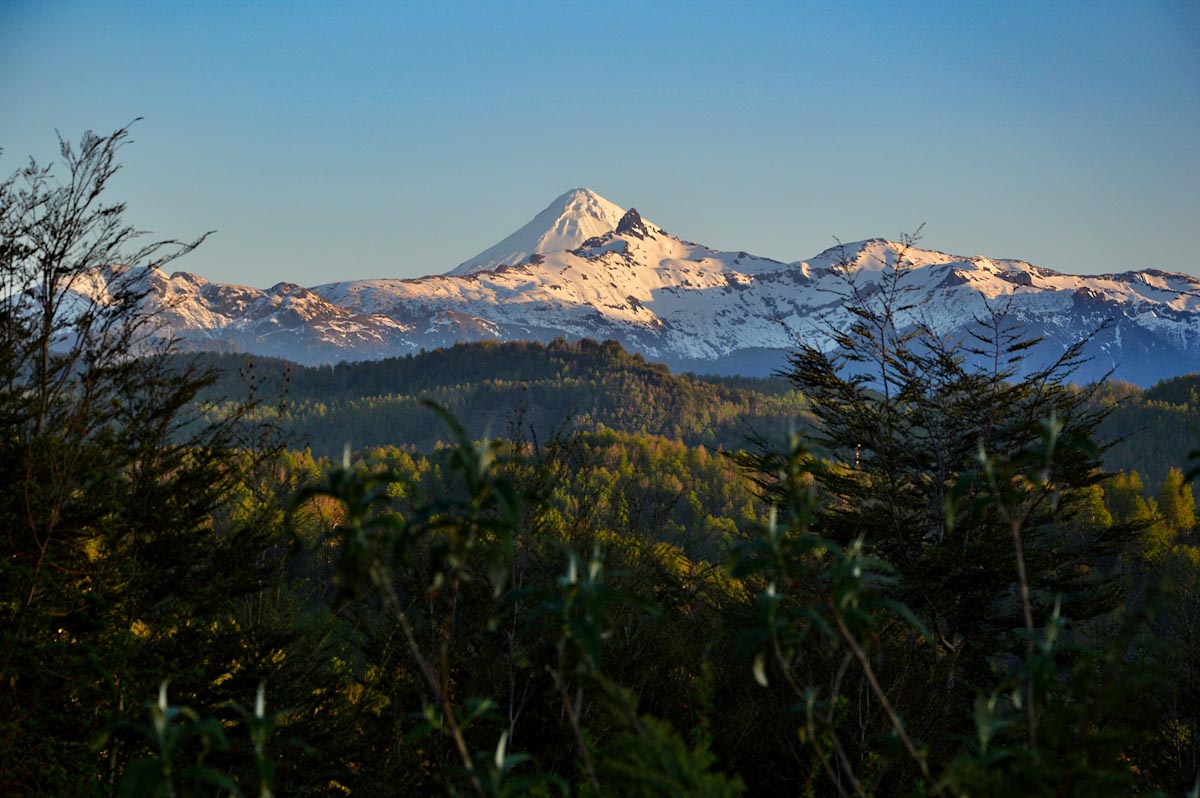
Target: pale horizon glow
(373, 139)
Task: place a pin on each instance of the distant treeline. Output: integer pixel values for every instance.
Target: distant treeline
(536, 389)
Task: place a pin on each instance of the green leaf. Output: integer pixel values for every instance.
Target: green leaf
(141, 778)
(905, 612)
(759, 668)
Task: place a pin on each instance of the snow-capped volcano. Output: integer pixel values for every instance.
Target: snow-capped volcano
(566, 223)
(585, 268)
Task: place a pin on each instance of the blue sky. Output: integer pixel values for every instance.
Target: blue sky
(327, 141)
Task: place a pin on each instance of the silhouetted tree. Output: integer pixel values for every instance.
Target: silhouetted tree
(113, 574)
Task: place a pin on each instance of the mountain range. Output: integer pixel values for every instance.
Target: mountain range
(585, 267)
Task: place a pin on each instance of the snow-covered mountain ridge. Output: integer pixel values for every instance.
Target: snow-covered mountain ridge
(584, 267)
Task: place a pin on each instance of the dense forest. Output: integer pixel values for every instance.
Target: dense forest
(558, 569)
(491, 386)
(1150, 430)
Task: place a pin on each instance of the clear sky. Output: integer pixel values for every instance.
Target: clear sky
(327, 141)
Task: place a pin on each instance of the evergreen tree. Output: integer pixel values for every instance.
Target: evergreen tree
(113, 571)
(906, 427)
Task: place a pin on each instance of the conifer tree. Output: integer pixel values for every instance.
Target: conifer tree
(113, 575)
(903, 420)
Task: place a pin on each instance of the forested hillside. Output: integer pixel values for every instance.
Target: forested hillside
(492, 387)
(594, 386)
(1151, 429)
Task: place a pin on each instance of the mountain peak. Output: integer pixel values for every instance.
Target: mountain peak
(581, 194)
(564, 224)
(631, 224)
(875, 255)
